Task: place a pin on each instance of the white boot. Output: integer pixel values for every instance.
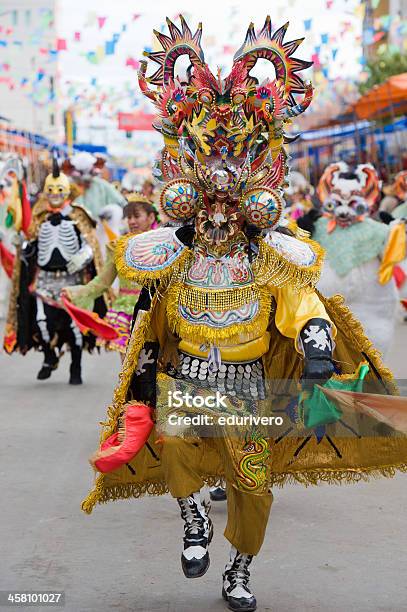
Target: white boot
(198, 532)
(236, 589)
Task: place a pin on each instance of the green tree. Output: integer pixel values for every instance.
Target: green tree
(384, 65)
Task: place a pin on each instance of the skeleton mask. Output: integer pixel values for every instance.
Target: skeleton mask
(57, 187)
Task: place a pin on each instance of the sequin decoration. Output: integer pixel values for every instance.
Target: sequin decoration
(244, 380)
(179, 199)
(262, 207)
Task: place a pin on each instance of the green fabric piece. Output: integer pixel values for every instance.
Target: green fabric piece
(318, 410)
(348, 247)
(400, 212)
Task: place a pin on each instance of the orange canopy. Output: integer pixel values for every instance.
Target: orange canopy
(383, 100)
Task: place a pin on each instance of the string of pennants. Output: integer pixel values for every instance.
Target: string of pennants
(325, 51)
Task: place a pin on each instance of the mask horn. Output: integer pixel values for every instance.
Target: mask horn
(55, 166)
(371, 190)
(326, 182)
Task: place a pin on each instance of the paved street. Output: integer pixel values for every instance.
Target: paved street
(328, 549)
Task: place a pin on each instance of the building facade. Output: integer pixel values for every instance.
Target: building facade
(29, 66)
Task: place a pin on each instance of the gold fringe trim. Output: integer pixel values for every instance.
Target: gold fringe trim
(353, 330)
(271, 267)
(172, 272)
(134, 347)
(101, 494)
(238, 332)
(336, 476)
(136, 342)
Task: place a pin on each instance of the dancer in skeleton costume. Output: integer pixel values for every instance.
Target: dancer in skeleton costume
(360, 252)
(228, 305)
(141, 216)
(62, 250)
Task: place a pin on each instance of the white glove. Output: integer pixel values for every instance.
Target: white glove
(80, 260)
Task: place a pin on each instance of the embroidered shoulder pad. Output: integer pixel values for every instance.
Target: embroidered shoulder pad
(155, 254)
(296, 251)
(285, 260)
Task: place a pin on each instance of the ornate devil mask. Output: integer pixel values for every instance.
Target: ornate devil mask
(224, 163)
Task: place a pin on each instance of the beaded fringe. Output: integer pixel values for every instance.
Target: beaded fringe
(203, 333)
(272, 268)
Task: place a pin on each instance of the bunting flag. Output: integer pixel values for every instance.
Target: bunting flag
(101, 22)
(109, 36)
(133, 63)
(61, 44)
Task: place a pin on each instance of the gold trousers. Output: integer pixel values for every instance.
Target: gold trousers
(183, 462)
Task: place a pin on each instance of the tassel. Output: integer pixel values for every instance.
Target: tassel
(214, 359)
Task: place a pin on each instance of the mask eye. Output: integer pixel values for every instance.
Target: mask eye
(172, 108)
(358, 205)
(238, 96)
(205, 96)
(329, 205)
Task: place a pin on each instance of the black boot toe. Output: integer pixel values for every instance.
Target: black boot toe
(241, 604)
(195, 568)
(218, 494)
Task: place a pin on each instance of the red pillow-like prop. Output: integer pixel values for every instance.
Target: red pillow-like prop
(121, 447)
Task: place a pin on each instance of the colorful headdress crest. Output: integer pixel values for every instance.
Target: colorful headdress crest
(224, 137)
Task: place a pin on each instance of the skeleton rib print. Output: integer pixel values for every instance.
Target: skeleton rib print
(62, 237)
